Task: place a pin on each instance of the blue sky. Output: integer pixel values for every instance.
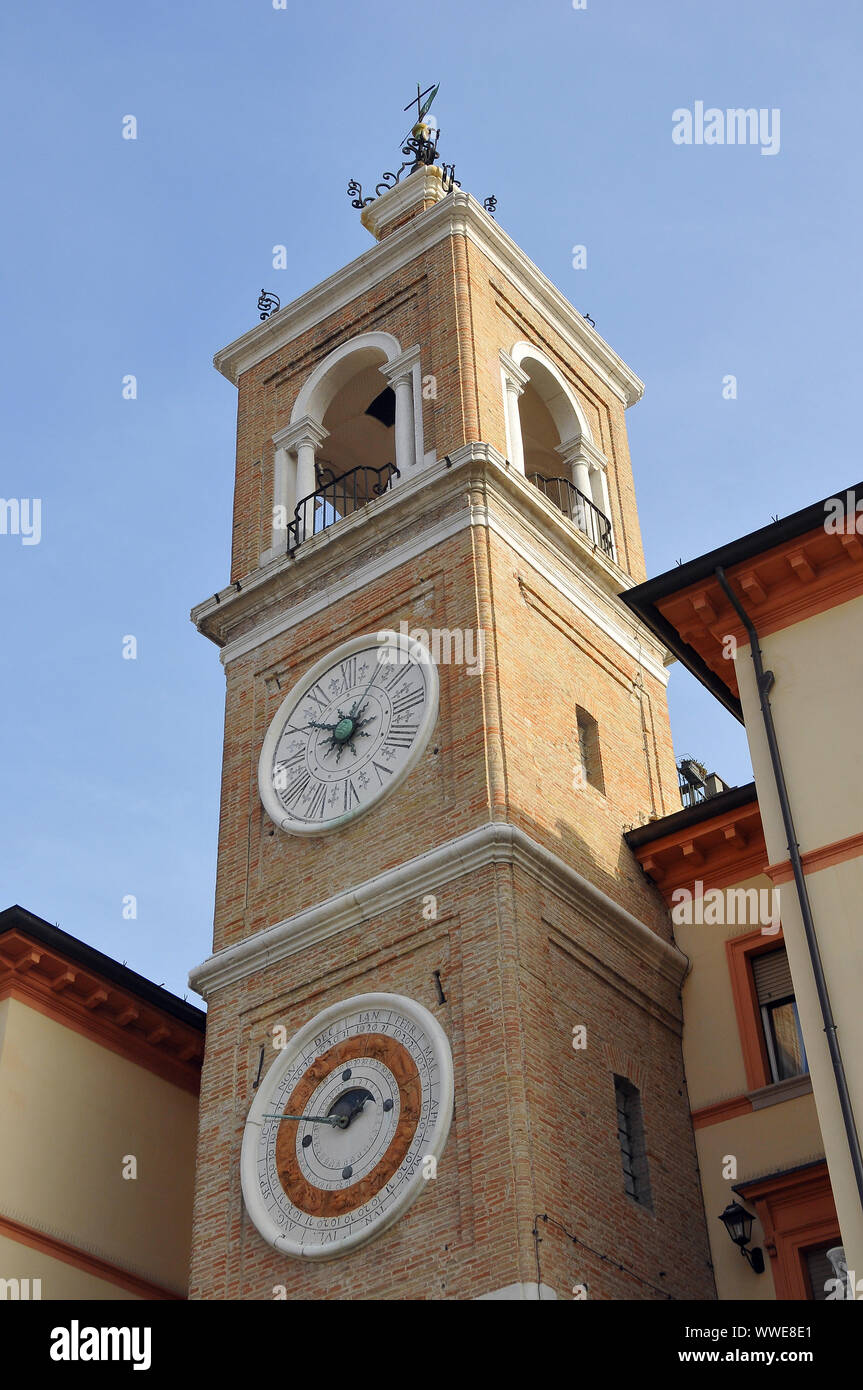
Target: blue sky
(146, 256)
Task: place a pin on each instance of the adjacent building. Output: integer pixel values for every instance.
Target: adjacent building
(772, 624)
(99, 1077)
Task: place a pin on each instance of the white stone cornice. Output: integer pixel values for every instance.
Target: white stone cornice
(401, 366)
(595, 456)
(496, 842)
(528, 524)
(513, 372)
(571, 451)
(303, 431)
(425, 185)
(582, 450)
(456, 214)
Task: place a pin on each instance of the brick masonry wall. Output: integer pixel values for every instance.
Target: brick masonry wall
(534, 1129)
(535, 1126)
(505, 745)
(462, 311)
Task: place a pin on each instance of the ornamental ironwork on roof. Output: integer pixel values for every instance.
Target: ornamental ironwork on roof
(420, 148)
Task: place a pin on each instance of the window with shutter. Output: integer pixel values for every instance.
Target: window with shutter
(772, 976)
(774, 989)
(819, 1271)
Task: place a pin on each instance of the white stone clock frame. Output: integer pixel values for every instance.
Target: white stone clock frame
(255, 1206)
(408, 647)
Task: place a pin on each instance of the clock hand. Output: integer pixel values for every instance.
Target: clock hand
(348, 1106)
(339, 1121)
(354, 710)
(358, 702)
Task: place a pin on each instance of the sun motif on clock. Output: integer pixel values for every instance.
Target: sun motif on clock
(347, 1125)
(348, 733)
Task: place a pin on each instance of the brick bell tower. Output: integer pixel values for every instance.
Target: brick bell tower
(444, 1002)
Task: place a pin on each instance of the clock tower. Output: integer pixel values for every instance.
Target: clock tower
(443, 1044)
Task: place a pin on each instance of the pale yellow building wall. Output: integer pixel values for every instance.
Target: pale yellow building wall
(58, 1279)
(816, 703)
(72, 1110)
(711, 1038)
(769, 1140)
(762, 1142)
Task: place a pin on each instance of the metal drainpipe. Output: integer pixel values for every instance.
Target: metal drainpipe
(764, 680)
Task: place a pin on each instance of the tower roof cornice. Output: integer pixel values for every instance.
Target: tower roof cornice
(458, 214)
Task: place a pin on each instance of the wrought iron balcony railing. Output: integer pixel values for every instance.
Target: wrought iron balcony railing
(585, 514)
(337, 498)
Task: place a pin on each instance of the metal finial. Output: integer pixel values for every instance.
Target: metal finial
(268, 303)
(419, 147)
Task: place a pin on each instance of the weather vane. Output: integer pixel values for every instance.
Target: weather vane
(423, 109)
(420, 147)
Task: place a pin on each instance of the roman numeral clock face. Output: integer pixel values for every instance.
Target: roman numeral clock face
(348, 733)
(347, 1126)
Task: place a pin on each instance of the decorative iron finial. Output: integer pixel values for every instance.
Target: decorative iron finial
(490, 203)
(419, 147)
(268, 303)
(591, 321)
(423, 109)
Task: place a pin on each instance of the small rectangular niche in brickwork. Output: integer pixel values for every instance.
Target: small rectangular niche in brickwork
(630, 1135)
(588, 749)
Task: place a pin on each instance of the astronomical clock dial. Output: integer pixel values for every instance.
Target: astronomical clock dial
(343, 1124)
(348, 733)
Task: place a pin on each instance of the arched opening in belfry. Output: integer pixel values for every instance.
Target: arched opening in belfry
(556, 446)
(540, 436)
(352, 433)
(355, 462)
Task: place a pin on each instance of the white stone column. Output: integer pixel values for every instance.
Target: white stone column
(400, 375)
(514, 382)
(284, 475)
(587, 467)
(599, 478)
(577, 465)
(295, 481)
(305, 468)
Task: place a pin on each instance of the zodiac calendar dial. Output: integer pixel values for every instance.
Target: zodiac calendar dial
(348, 733)
(347, 1126)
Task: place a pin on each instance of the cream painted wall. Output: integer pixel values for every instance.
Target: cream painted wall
(818, 666)
(711, 1038)
(72, 1110)
(818, 669)
(768, 1140)
(59, 1280)
(780, 1136)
